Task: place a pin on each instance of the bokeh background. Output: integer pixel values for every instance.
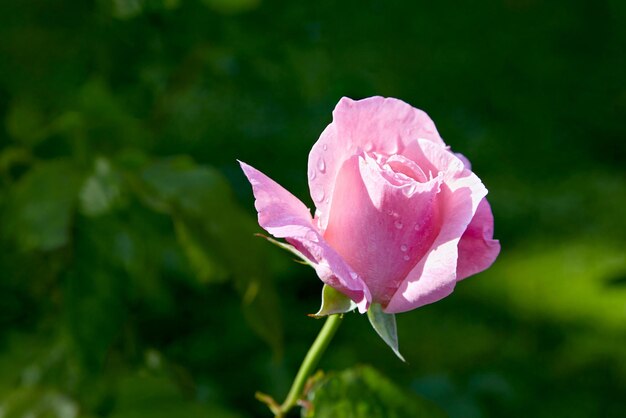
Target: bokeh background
(131, 284)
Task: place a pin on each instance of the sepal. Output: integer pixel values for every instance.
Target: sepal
(302, 259)
(385, 325)
(333, 302)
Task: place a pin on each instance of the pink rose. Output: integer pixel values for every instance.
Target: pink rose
(399, 218)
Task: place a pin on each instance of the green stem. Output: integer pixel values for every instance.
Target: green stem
(310, 362)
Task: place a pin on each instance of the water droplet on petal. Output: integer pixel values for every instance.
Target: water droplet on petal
(311, 174)
(354, 275)
(318, 195)
(398, 224)
(417, 227)
(403, 248)
(311, 236)
(325, 147)
(406, 258)
(321, 165)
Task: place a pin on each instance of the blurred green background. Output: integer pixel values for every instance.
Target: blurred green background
(131, 283)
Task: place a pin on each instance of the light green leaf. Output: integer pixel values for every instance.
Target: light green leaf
(362, 392)
(385, 325)
(127, 9)
(334, 302)
(101, 189)
(38, 403)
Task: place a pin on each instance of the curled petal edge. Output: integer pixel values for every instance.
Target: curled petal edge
(477, 248)
(435, 276)
(283, 215)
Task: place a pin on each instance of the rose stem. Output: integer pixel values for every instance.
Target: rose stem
(310, 362)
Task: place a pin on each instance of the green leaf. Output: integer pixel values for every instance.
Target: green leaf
(102, 117)
(25, 122)
(362, 392)
(127, 9)
(101, 189)
(38, 403)
(334, 302)
(385, 325)
(42, 206)
(13, 156)
(94, 311)
(232, 6)
(145, 395)
(217, 236)
(203, 263)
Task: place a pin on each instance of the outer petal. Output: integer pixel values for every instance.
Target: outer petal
(379, 228)
(463, 158)
(477, 248)
(383, 125)
(284, 216)
(434, 277)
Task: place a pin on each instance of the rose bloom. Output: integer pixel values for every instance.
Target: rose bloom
(399, 218)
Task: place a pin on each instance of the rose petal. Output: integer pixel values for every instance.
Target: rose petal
(434, 159)
(477, 248)
(380, 228)
(434, 277)
(284, 216)
(383, 125)
(463, 158)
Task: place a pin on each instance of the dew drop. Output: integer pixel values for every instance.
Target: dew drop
(321, 165)
(325, 147)
(398, 224)
(354, 275)
(311, 236)
(318, 195)
(406, 258)
(311, 174)
(403, 248)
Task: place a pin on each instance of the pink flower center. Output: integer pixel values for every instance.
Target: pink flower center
(399, 171)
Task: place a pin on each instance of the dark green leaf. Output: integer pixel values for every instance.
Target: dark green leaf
(203, 262)
(362, 392)
(217, 236)
(232, 6)
(25, 122)
(159, 397)
(43, 202)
